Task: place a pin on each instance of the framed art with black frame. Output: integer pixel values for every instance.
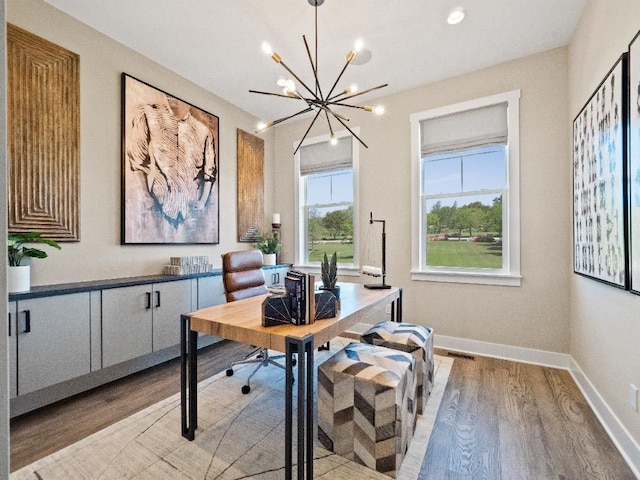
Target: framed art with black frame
(170, 176)
(634, 163)
(599, 182)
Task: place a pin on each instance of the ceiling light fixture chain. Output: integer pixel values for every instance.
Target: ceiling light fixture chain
(316, 101)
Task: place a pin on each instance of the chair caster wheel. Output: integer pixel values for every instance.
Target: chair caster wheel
(229, 372)
(246, 389)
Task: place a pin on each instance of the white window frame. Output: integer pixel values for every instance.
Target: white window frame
(510, 274)
(300, 218)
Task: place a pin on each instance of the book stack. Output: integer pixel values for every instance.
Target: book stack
(299, 304)
(300, 287)
(188, 265)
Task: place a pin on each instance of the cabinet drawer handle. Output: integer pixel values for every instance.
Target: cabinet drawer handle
(148, 295)
(27, 321)
(157, 298)
(9, 314)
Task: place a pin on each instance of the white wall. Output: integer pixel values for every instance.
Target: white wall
(99, 254)
(535, 315)
(605, 321)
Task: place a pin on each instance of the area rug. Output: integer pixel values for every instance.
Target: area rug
(238, 437)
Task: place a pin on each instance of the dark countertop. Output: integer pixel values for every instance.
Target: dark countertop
(88, 286)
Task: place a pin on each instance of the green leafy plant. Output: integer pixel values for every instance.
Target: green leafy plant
(17, 249)
(329, 271)
(267, 243)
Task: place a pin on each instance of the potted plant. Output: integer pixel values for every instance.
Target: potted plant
(19, 276)
(269, 245)
(329, 273)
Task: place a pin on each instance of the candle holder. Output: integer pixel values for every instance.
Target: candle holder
(275, 229)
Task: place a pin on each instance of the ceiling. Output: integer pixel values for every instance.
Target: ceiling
(217, 43)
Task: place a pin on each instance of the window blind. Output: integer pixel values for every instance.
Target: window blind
(464, 130)
(324, 157)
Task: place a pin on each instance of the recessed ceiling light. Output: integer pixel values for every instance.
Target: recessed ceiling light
(456, 16)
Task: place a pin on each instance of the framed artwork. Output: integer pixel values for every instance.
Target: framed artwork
(170, 175)
(250, 186)
(43, 137)
(599, 182)
(634, 163)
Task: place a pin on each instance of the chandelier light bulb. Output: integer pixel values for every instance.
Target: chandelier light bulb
(358, 45)
(378, 110)
(333, 141)
(261, 126)
(266, 48)
(456, 16)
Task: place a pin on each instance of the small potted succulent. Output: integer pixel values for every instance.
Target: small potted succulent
(19, 276)
(329, 273)
(269, 245)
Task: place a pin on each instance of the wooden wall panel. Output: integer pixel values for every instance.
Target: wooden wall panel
(250, 186)
(43, 109)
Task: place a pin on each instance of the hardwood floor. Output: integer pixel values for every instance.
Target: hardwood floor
(506, 420)
(498, 420)
(49, 429)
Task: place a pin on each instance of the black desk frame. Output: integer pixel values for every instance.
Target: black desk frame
(304, 348)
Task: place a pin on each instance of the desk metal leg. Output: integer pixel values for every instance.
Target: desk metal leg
(396, 308)
(188, 378)
(305, 412)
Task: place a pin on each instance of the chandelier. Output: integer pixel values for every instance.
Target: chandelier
(315, 99)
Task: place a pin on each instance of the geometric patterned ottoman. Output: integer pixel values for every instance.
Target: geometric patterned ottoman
(410, 338)
(366, 405)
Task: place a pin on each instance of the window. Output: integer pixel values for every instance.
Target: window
(465, 192)
(327, 196)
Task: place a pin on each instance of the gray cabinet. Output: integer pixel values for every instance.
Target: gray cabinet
(13, 350)
(210, 292)
(275, 276)
(141, 319)
(170, 300)
(50, 340)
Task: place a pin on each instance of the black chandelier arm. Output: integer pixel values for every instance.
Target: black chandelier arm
(284, 65)
(357, 93)
(272, 123)
(328, 122)
(351, 56)
(313, 67)
(307, 132)
(275, 94)
(350, 131)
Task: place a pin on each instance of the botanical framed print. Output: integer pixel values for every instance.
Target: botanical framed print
(634, 163)
(599, 181)
(170, 175)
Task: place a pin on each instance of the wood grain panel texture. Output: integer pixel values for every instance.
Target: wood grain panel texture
(250, 186)
(43, 90)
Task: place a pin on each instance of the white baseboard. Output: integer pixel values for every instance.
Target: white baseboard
(620, 436)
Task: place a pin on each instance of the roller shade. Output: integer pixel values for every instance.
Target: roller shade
(324, 157)
(464, 130)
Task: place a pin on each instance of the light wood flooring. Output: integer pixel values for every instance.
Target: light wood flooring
(497, 420)
(507, 420)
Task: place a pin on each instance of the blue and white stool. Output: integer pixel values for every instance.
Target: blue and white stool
(366, 405)
(410, 338)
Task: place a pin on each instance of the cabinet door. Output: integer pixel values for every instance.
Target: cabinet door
(126, 323)
(54, 342)
(275, 276)
(170, 300)
(13, 350)
(210, 292)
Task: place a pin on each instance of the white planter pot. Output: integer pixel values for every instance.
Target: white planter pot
(268, 258)
(19, 279)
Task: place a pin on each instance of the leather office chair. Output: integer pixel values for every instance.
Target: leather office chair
(242, 277)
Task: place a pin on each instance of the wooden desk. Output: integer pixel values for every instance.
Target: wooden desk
(242, 321)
